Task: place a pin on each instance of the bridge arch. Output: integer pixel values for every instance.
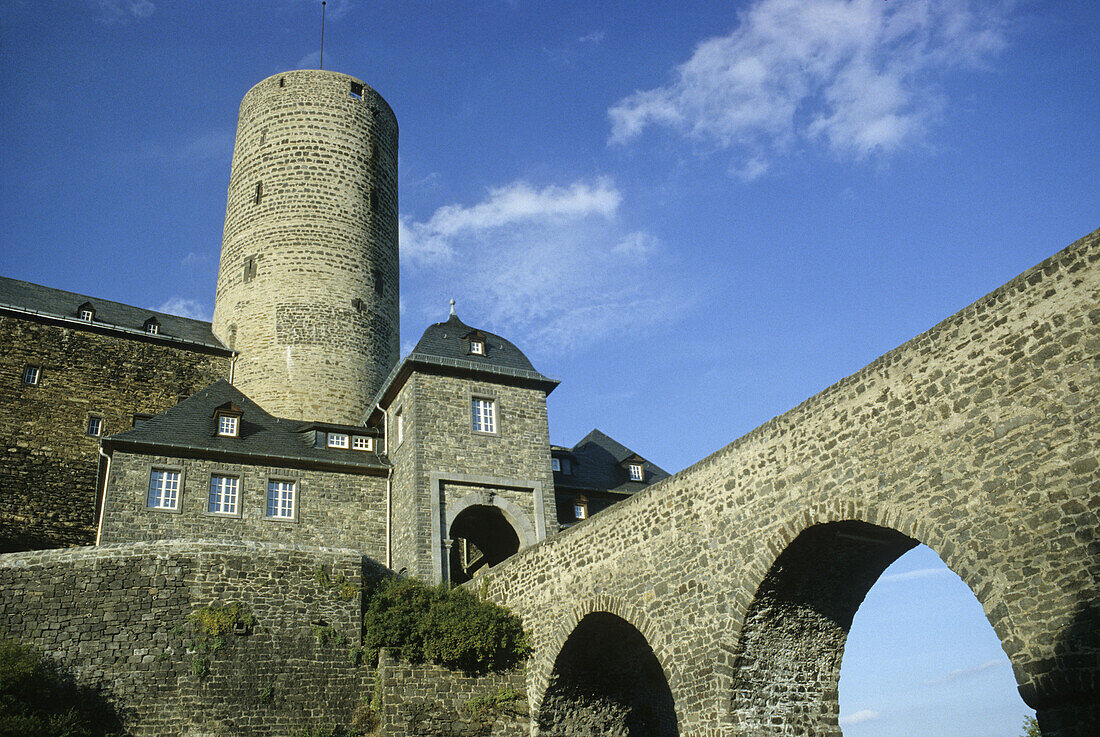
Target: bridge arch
(791, 633)
(606, 677)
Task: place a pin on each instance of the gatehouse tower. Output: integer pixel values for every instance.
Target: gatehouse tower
(308, 282)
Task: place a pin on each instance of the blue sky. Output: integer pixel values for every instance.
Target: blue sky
(695, 214)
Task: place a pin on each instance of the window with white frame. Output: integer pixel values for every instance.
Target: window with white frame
(485, 414)
(224, 494)
(636, 472)
(280, 499)
(164, 489)
(152, 328)
(555, 464)
(338, 440)
(477, 347)
(361, 442)
(229, 425)
(580, 509)
(95, 427)
(31, 374)
(87, 315)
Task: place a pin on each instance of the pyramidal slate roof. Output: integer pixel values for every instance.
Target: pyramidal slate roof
(447, 345)
(598, 466)
(35, 299)
(190, 427)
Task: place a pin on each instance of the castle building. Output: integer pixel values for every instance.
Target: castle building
(291, 418)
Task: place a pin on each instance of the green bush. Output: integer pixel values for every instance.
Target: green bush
(445, 625)
(38, 700)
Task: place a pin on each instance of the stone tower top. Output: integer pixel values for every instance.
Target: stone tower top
(308, 282)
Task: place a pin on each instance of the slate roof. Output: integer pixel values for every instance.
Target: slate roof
(446, 345)
(35, 299)
(597, 461)
(189, 427)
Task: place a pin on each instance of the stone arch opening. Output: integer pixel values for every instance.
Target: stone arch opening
(607, 681)
(786, 666)
(481, 537)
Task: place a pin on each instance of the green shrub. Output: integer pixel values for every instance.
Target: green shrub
(38, 700)
(444, 625)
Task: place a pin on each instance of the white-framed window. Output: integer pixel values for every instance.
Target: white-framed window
(31, 374)
(87, 315)
(477, 347)
(280, 499)
(95, 427)
(580, 510)
(152, 328)
(164, 489)
(485, 414)
(361, 442)
(636, 472)
(224, 494)
(229, 425)
(555, 464)
(338, 440)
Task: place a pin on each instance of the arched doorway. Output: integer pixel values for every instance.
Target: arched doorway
(607, 681)
(481, 536)
(786, 668)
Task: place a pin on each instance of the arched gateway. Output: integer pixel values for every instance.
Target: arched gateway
(978, 438)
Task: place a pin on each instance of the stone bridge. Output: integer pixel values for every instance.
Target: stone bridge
(718, 601)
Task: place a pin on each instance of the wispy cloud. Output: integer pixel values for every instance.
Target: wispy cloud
(194, 259)
(858, 717)
(548, 267)
(595, 37)
(114, 12)
(965, 673)
(214, 146)
(861, 76)
(917, 574)
(184, 308)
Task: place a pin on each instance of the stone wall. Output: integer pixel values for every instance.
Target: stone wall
(428, 699)
(978, 438)
(447, 465)
(118, 617)
(332, 509)
(308, 284)
(48, 464)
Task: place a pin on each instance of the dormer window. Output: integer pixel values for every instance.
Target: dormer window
(476, 343)
(86, 312)
(555, 464)
(338, 440)
(477, 348)
(227, 420)
(637, 473)
(362, 442)
(152, 326)
(580, 509)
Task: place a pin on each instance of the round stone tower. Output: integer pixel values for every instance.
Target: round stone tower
(308, 282)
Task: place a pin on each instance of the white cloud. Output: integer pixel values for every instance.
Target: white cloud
(964, 673)
(917, 574)
(548, 268)
(112, 12)
(595, 37)
(184, 308)
(859, 717)
(859, 75)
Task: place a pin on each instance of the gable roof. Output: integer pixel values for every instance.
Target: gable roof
(188, 429)
(23, 297)
(446, 346)
(598, 466)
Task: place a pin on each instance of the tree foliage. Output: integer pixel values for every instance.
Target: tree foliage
(445, 625)
(38, 700)
(1031, 728)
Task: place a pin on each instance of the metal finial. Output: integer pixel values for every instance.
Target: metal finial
(453, 307)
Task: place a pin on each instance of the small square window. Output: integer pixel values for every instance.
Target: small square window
(164, 489)
(477, 348)
(555, 464)
(636, 472)
(95, 427)
(484, 415)
(31, 375)
(337, 440)
(87, 315)
(360, 442)
(229, 425)
(152, 328)
(280, 499)
(580, 510)
(224, 493)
